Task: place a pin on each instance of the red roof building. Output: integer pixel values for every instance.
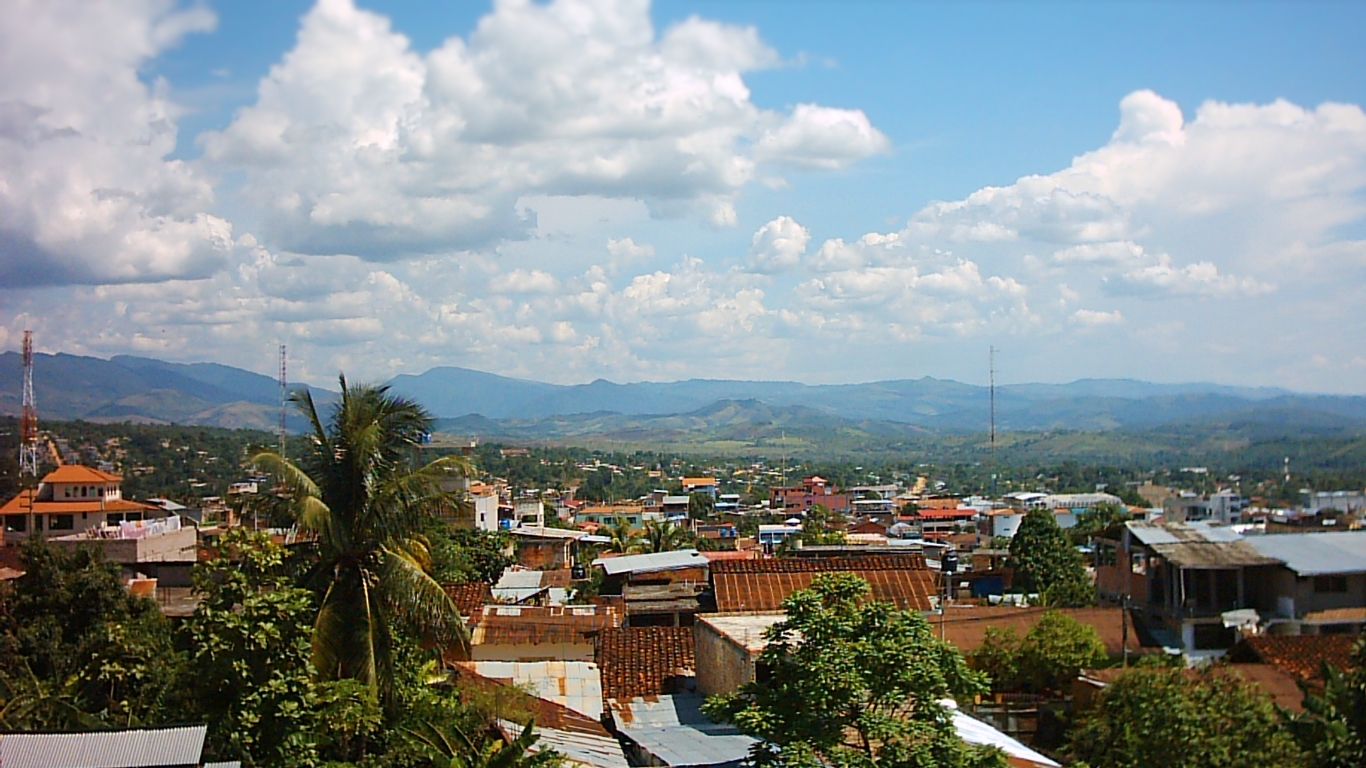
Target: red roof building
(71, 499)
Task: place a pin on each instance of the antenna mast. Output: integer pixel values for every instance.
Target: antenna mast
(28, 420)
(991, 367)
(284, 397)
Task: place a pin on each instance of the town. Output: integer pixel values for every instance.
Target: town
(611, 622)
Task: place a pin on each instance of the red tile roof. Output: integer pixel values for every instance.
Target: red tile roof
(762, 585)
(1300, 655)
(469, 598)
(78, 473)
(641, 661)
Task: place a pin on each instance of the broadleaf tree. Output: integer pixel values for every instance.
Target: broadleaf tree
(854, 682)
(1045, 561)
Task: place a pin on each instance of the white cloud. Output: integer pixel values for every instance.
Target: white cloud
(358, 144)
(524, 281)
(1201, 279)
(626, 249)
(778, 245)
(87, 194)
(1093, 318)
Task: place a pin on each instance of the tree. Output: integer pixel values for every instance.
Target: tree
(622, 538)
(464, 554)
(664, 536)
(1049, 656)
(253, 680)
(1046, 562)
(457, 750)
(1332, 729)
(701, 506)
(854, 682)
(1154, 716)
(1091, 522)
(359, 490)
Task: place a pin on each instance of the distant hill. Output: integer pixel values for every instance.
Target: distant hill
(139, 389)
(142, 390)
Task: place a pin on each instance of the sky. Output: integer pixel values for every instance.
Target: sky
(580, 189)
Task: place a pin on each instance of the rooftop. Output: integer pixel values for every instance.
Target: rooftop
(79, 473)
(762, 585)
(133, 748)
(1190, 545)
(966, 626)
(746, 630)
(1302, 656)
(659, 561)
(1312, 554)
(534, 625)
(469, 598)
(644, 661)
(674, 731)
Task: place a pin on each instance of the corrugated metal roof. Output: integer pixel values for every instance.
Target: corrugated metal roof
(675, 732)
(1191, 545)
(974, 731)
(139, 748)
(588, 750)
(572, 684)
(1311, 554)
(659, 561)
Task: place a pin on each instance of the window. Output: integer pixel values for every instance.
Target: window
(113, 518)
(61, 522)
(16, 523)
(1330, 584)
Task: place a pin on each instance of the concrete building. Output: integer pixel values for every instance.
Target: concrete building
(71, 499)
(810, 492)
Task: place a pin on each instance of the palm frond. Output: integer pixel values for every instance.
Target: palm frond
(414, 594)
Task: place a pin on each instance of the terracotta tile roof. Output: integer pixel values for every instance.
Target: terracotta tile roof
(895, 562)
(1276, 683)
(21, 505)
(79, 473)
(966, 627)
(469, 598)
(641, 661)
(1337, 616)
(533, 625)
(1299, 655)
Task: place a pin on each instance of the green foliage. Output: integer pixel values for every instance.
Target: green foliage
(1153, 717)
(1332, 729)
(1046, 562)
(664, 536)
(1048, 657)
(1093, 521)
(457, 750)
(854, 682)
(464, 554)
(254, 682)
(623, 538)
(78, 649)
(360, 491)
(701, 506)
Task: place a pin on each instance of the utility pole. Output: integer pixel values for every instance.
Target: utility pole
(991, 380)
(284, 397)
(28, 419)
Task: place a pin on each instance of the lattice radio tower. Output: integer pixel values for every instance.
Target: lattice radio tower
(28, 420)
(284, 399)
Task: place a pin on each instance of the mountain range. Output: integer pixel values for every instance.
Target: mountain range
(127, 388)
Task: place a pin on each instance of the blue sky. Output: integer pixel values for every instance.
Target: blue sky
(1168, 191)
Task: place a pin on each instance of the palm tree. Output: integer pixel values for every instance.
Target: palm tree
(664, 536)
(623, 538)
(359, 490)
(463, 752)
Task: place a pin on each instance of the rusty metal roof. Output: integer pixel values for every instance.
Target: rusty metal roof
(881, 562)
(1198, 546)
(745, 590)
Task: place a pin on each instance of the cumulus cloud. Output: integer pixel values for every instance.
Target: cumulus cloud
(1093, 318)
(778, 245)
(87, 194)
(1200, 279)
(358, 144)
